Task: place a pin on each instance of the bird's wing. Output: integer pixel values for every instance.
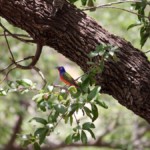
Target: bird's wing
(67, 77)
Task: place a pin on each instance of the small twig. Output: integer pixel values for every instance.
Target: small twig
(41, 75)
(8, 74)
(14, 36)
(9, 47)
(112, 7)
(60, 87)
(147, 51)
(111, 3)
(26, 58)
(77, 121)
(58, 121)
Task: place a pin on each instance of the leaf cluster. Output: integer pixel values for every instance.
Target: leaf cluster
(144, 20)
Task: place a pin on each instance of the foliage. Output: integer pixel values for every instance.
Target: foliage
(63, 103)
(144, 20)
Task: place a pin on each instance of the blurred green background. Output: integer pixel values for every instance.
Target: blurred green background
(118, 127)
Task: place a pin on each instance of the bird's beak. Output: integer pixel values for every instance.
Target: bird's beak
(56, 67)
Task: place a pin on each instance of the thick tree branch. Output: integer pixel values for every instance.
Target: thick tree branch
(72, 33)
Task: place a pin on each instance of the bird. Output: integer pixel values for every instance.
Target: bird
(66, 77)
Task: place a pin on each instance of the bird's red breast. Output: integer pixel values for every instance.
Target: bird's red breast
(67, 82)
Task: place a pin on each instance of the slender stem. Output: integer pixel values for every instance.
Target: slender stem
(77, 121)
(8, 74)
(112, 7)
(147, 51)
(41, 75)
(26, 58)
(9, 47)
(111, 3)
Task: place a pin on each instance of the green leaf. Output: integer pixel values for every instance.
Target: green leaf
(71, 120)
(72, 89)
(90, 3)
(25, 82)
(2, 92)
(133, 25)
(64, 94)
(94, 112)
(38, 97)
(101, 104)
(68, 139)
(83, 2)
(42, 105)
(88, 125)
(144, 33)
(76, 137)
(39, 120)
(74, 107)
(52, 118)
(88, 111)
(85, 83)
(93, 93)
(50, 88)
(77, 94)
(83, 137)
(93, 54)
(41, 133)
(60, 108)
(36, 146)
(91, 132)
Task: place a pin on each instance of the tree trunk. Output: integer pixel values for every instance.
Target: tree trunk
(72, 33)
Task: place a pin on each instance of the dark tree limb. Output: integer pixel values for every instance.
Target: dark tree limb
(72, 33)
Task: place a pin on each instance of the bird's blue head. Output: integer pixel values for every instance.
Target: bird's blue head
(61, 70)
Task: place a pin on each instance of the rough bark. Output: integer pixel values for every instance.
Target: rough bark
(74, 34)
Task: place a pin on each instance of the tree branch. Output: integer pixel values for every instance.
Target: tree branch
(16, 36)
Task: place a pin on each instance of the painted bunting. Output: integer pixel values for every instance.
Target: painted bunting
(66, 77)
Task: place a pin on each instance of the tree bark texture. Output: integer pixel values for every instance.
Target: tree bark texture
(72, 33)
